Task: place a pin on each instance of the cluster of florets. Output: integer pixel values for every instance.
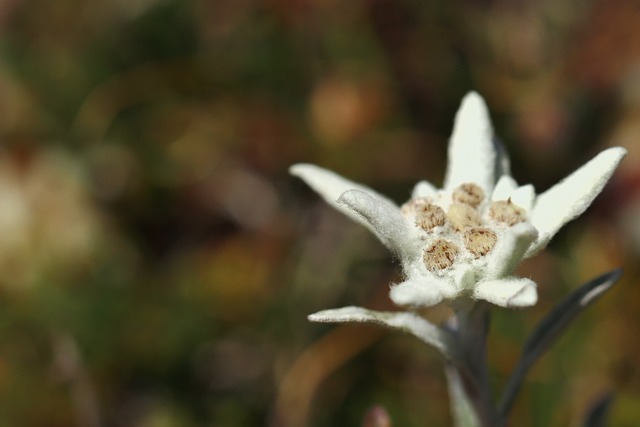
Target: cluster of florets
(463, 226)
(464, 240)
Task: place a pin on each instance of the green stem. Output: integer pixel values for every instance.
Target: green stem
(468, 374)
(462, 408)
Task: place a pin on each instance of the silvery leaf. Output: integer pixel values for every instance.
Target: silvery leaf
(550, 328)
(425, 331)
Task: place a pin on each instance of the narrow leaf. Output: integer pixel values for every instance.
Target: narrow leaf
(415, 325)
(599, 412)
(550, 328)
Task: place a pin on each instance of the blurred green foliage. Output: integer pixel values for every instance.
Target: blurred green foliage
(158, 263)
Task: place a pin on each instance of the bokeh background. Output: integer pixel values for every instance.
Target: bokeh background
(158, 263)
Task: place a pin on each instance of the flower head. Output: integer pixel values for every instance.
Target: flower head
(466, 239)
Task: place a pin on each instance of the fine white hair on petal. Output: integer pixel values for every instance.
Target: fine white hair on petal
(383, 218)
(505, 186)
(330, 186)
(571, 196)
(510, 249)
(464, 276)
(408, 322)
(472, 152)
(423, 189)
(422, 293)
(507, 292)
(524, 197)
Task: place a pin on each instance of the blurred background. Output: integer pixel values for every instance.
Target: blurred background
(158, 262)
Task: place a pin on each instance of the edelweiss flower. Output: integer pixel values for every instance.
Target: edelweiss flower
(465, 239)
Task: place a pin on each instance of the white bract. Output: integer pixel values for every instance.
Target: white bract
(464, 240)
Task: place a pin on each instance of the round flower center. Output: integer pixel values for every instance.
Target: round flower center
(506, 212)
(479, 240)
(440, 255)
(462, 216)
(470, 194)
(469, 230)
(429, 216)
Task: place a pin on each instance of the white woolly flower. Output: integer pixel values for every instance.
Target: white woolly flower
(465, 239)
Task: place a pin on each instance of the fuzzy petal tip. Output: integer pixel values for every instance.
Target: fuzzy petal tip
(472, 153)
(508, 292)
(573, 195)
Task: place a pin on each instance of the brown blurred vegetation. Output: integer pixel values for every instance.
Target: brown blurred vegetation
(159, 263)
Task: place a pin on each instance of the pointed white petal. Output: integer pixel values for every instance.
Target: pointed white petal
(571, 196)
(407, 322)
(422, 291)
(510, 248)
(472, 155)
(503, 163)
(383, 218)
(524, 197)
(508, 292)
(505, 186)
(330, 186)
(423, 189)
(464, 277)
